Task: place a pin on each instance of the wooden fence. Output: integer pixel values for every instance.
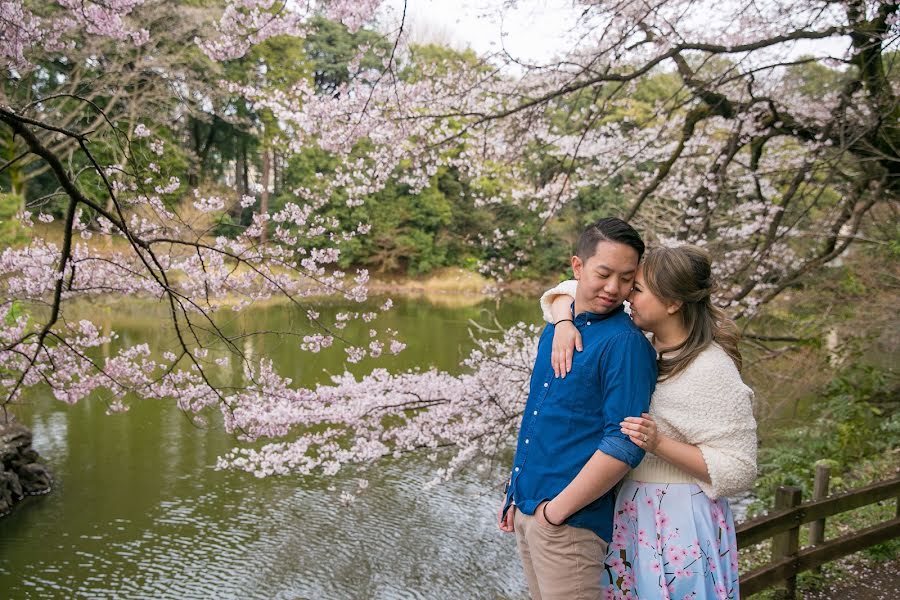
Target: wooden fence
(783, 524)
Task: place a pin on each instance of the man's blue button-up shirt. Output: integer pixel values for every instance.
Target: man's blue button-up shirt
(566, 420)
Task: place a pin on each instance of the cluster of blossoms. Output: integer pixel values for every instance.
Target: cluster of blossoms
(245, 23)
(22, 28)
(169, 253)
(359, 420)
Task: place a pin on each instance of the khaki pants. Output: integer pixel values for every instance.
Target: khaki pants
(561, 563)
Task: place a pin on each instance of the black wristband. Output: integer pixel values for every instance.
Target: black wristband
(544, 512)
(563, 321)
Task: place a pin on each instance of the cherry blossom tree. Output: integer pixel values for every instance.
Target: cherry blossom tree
(169, 254)
(742, 156)
(704, 121)
(745, 153)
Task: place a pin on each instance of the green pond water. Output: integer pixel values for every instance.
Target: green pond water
(138, 511)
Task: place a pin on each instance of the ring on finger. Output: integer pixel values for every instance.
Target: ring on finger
(645, 437)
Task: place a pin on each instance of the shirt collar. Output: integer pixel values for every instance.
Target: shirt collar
(582, 318)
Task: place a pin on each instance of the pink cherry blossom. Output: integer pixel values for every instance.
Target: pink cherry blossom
(721, 591)
(617, 565)
(662, 520)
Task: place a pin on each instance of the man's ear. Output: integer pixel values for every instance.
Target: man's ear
(577, 266)
(674, 307)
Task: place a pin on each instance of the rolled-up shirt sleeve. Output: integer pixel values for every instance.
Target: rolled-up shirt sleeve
(627, 373)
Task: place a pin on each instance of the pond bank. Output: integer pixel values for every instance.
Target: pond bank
(21, 471)
(454, 281)
(441, 282)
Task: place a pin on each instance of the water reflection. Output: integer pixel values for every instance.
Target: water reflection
(51, 431)
(138, 512)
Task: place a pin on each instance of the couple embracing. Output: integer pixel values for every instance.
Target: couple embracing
(635, 430)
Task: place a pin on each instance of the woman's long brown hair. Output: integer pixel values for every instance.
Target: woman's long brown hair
(684, 274)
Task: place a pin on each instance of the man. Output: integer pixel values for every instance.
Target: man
(571, 450)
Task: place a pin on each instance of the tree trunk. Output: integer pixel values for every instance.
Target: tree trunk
(16, 171)
(17, 185)
(264, 195)
(239, 170)
(195, 169)
(275, 171)
(245, 165)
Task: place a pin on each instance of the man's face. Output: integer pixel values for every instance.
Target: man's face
(605, 279)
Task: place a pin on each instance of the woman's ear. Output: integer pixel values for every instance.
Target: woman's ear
(674, 307)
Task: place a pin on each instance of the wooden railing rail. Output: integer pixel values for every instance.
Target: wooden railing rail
(783, 525)
(762, 528)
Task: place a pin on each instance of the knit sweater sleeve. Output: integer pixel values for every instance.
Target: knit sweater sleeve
(566, 288)
(725, 429)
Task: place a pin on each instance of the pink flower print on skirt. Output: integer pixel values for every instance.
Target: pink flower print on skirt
(670, 541)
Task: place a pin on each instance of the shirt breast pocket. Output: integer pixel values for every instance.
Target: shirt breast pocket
(583, 386)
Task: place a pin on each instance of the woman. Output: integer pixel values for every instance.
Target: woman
(673, 535)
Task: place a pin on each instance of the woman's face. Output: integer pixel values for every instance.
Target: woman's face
(647, 310)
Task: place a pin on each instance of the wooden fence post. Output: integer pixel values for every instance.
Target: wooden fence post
(820, 491)
(788, 543)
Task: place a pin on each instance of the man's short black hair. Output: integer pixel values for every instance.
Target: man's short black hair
(609, 229)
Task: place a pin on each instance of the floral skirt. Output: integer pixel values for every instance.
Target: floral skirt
(670, 541)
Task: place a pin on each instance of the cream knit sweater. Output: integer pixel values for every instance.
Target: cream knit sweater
(707, 405)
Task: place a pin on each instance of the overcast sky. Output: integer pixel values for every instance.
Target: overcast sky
(536, 29)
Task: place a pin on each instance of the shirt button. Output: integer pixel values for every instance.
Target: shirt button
(526, 441)
(546, 384)
(517, 469)
(589, 323)
(535, 413)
